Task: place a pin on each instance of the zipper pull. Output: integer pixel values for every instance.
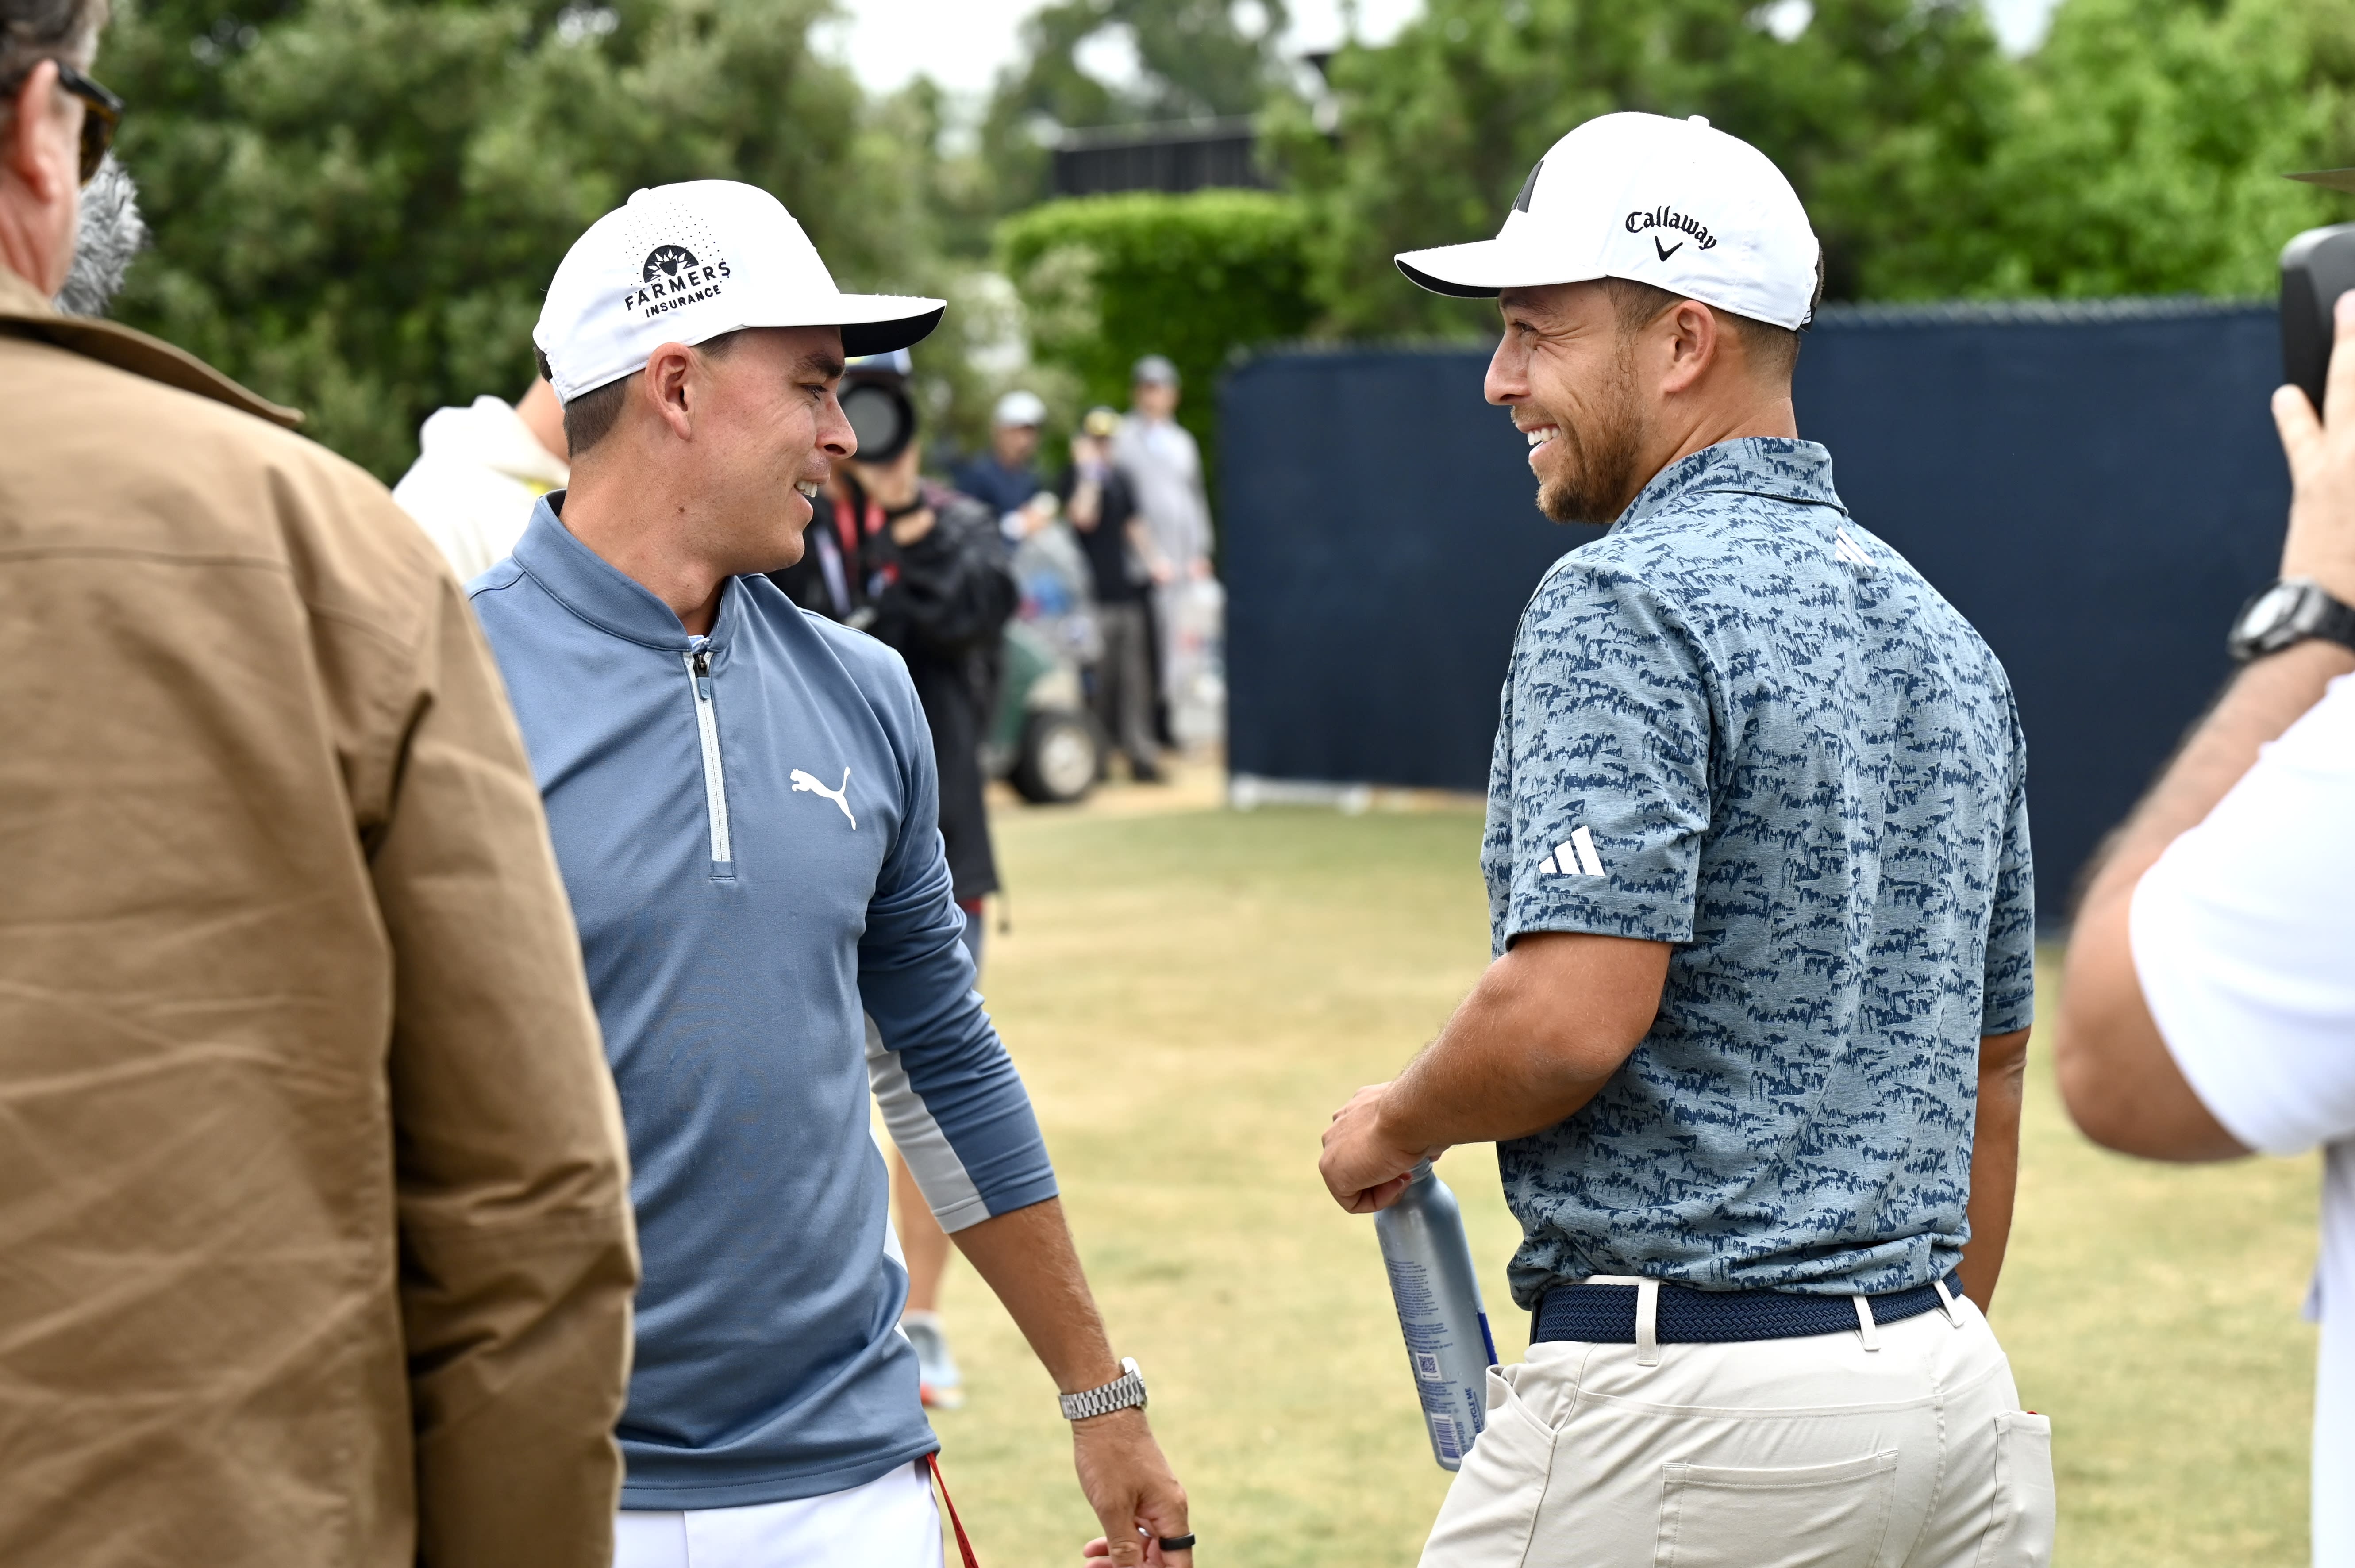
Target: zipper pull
(703, 673)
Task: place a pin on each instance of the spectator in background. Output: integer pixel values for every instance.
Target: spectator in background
(1102, 510)
(1164, 469)
(478, 472)
(318, 1244)
(1006, 477)
(2209, 1008)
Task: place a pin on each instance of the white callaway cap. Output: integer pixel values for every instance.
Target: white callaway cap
(685, 264)
(1667, 202)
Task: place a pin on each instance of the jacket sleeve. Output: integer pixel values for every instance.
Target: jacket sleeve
(949, 1093)
(955, 593)
(517, 1257)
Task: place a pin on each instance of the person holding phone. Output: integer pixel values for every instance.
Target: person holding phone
(2209, 1008)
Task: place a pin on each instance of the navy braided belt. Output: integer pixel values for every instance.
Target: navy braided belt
(1605, 1314)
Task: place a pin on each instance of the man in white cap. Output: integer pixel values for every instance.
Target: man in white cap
(743, 800)
(1006, 477)
(1760, 899)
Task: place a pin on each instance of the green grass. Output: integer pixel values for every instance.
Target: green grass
(1190, 995)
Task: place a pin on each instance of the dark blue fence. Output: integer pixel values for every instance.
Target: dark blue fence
(2097, 488)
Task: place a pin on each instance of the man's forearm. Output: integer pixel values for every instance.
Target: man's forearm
(1027, 1258)
(2115, 1075)
(2263, 699)
(1995, 1162)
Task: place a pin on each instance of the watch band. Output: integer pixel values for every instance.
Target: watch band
(1123, 1392)
(2287, 614)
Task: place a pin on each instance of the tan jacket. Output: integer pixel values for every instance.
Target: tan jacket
(314, 1233)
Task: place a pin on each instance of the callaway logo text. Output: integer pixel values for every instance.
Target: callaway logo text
(672, 277)
(1670, 217)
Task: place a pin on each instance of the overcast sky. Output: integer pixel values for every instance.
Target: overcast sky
(960, 44)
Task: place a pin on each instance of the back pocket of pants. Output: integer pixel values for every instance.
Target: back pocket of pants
(1824, 1516)
(2019, 1531)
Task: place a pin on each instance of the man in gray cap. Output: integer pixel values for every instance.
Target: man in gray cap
(1760, 899)
(1163, 465)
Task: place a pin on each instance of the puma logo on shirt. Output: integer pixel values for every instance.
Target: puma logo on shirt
(805, 784)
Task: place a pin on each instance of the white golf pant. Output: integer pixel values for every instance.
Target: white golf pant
(1773, 1454)
(889, 1522)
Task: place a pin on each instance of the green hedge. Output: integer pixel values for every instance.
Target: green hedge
(1108, 279)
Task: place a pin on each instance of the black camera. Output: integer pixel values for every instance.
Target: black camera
(874, 397)
(2315, 268)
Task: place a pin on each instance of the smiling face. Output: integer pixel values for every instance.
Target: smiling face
(769, 432)
(1566, 368)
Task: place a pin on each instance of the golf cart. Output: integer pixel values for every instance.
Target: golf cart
(1043, 740)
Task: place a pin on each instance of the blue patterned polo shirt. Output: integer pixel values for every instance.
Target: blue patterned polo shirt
(1740, 724)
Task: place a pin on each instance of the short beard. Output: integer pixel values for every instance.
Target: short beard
(111, 235)
(1602, 482)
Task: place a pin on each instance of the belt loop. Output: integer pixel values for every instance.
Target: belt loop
(1648, 1323)
(1865, 1325)
(1946, 1303)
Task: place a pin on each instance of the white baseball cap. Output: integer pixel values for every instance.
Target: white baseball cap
(687, 262)
(1667, 202)
(1017, 408)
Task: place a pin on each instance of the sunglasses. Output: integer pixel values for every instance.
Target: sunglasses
(103, 113)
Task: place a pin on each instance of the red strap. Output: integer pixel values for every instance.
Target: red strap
(964, 1547)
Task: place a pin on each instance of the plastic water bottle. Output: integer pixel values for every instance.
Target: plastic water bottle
(1438, 1298)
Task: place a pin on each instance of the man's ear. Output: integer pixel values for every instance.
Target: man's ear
(30, 135)
(1695, 340)
(670, 384)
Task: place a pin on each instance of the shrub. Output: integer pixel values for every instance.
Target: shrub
(1108, 279)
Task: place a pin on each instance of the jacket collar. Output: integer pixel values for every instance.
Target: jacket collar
(602, 594)
(1780, 467)
(24, 314)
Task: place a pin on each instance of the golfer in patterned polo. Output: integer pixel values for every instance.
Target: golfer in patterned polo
(1759, 888)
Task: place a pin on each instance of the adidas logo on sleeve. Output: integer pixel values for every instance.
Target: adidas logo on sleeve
(1574, 857)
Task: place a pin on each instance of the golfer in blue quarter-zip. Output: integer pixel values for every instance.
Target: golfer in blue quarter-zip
(743, 799)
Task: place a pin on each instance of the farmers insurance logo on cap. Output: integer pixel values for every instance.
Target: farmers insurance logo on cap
(1673, 203)
(689, 262)
(674, 276)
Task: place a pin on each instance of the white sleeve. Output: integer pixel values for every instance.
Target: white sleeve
(2244, 938)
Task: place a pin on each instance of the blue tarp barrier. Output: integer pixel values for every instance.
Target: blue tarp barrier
(2098, 487)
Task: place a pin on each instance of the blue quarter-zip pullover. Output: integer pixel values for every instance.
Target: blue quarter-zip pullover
(746, 825)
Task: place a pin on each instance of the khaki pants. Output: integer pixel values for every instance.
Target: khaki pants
(1770, 1454)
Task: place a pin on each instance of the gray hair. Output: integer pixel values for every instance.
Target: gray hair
(111, 238)
(32, 31)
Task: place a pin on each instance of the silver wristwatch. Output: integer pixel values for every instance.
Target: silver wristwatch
(1122, 1391)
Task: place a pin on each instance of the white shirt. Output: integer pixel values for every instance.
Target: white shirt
(1164, 469)
(478, 472)
(2244, 938)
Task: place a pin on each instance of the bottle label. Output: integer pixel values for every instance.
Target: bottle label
(1442, 1433)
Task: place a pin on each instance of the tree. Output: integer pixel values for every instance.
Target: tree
(2145, 149)
(1883, 113)
(357, 203)
(1196, 60)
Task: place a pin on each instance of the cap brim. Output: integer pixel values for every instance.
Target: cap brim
(2332, 179)
(1483, 269)
(877, 323)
